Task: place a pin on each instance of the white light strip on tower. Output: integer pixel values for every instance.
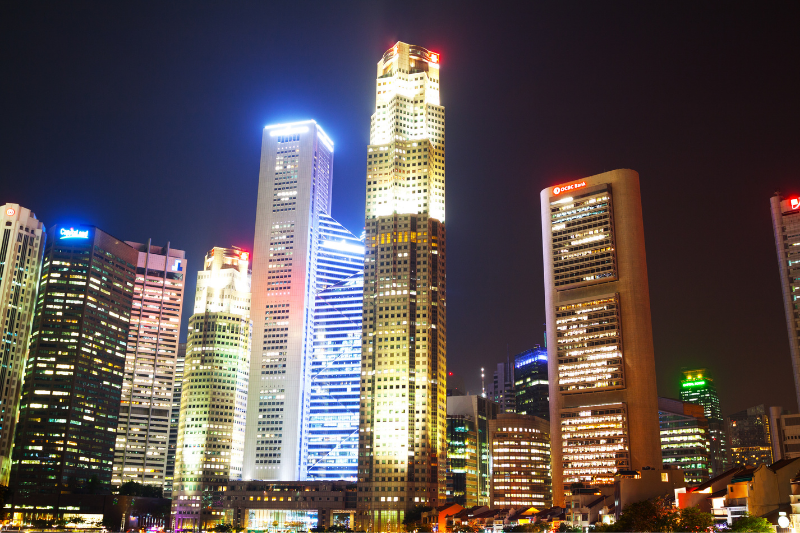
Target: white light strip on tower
(288, 131)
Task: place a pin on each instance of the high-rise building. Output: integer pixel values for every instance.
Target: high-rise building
(481, 411)
(73, 383)
(520, 461)
(750, 438)
(462, 460)
(784, 429)
(531, 383)
(21, 252)
(685, 439)
(331, 426)
(150, 365)
(211, 428)
(786, 227)
(697, 386)
(501, 389)
(603, 403)
(174, 420)
(402, 426)
(294, 191)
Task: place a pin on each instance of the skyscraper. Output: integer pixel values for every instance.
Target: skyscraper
(520, 461)
(174, 419)
(750, 438)
(603, 403)
(531, 383)
(697, 386)
(402, 435)
(481, 411)
(685, 440)
(462, 460)
(211, 427)
(501, 389)
(331, 426)
(150, 365)
(21, 251)
(71, 395)
(786, 227)
(294, 190)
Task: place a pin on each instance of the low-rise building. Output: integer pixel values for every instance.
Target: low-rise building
(282, 505)
(761, 490)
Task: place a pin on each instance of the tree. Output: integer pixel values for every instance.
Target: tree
(134, 488)
(694, 520)
(564, 527)
(756, 524)
(223, 528)
(415, 514)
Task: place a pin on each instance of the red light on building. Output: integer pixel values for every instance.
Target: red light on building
(244, 256)
(434, 58)
(449, 373)
(571, 187)
(795, 203)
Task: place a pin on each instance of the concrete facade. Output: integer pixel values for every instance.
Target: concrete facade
(604, 378)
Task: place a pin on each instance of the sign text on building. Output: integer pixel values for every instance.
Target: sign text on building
(571, 187)
(72, 233)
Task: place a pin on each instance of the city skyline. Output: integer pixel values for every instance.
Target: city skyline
(747, 323)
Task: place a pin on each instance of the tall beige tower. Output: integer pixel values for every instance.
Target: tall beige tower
(402, 424)
(151, 360)
(211, 426)
(603, 401)
(21, 250)
(786, 226)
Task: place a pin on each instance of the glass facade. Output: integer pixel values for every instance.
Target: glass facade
(596, 443)
(685, 439)
(532, 383)
(697, 386)
(751, 441)
(462, 460)
(331, 443)
(174, 419)
(521, 474)
(73, 378)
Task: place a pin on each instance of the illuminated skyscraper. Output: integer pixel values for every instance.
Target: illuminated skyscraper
(211, 427)
(603, 403)
(750, 438)
(685, 440)
(531, 383)
(501, 388)
(786, 226)
(331, 425)
(71, 395)
(21, 250)
(174, 419)
(697, 386)
(294, 191)
(402, 423)
(150, 365)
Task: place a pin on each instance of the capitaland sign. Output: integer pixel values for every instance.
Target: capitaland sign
(571, 187)
(72, 233)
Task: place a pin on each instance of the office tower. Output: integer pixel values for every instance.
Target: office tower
(603, 404)
(21, 251)
(784, 429)
(462, 460)
(211, 427)
(697, 386)
(174, 419)
(520, 461)
(331, 424)
(750, 439)
(150, 362)
(685, 439)
(501, 389)
(294, 190)
(403, 438)
(71, 395)
(531, 383)
(481, 411)
(786, 226)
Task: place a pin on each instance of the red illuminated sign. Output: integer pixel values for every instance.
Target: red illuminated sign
(434, 58)
(245, 256)
(10, 212)
(571, 187)
(795, 203)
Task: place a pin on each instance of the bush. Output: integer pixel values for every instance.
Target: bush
(755, 524)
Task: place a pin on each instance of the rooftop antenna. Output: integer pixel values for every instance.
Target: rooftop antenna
(483, 384)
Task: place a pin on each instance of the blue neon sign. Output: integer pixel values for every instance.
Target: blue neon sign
(73, 233)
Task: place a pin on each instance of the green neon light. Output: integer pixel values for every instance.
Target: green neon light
(693, 383)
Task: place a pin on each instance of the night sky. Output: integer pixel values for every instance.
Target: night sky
(145, 119)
